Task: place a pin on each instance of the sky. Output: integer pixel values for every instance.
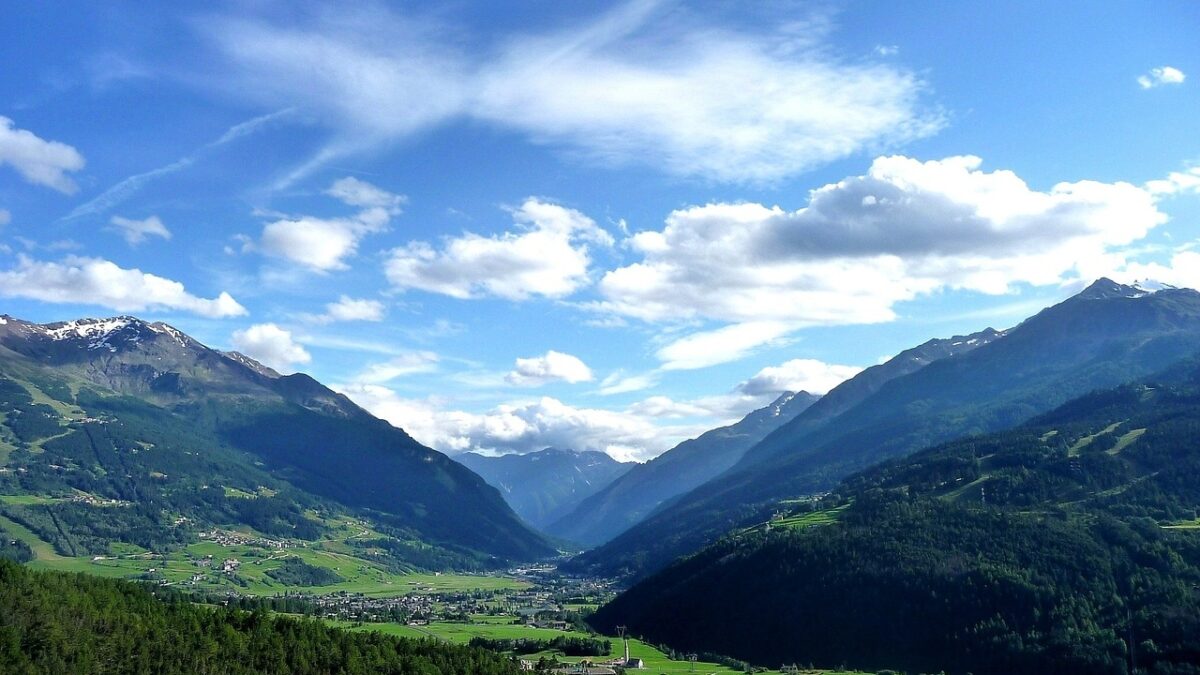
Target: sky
(600, 226)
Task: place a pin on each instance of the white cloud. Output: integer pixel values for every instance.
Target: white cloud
(270, 345)
(632, 86)
(136, 231)
(862, 245)
(550, 367)
(5, 217)
(815, 377)
(1160, 76)
(547, 255)
(92, 281)
(522, 426)
(39, 161)
(401, 365)
(1183, 270)
(1176, 182)
(728, 343)
(355, 192)
(351, 309)
(323, 244)
(663, 406)
(620, 383)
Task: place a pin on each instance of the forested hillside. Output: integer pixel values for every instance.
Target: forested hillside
(56, 623)
(1068, 545)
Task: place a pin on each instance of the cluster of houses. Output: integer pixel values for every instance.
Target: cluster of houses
(229, 538)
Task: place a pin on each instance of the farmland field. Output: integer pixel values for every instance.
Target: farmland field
(461, 633)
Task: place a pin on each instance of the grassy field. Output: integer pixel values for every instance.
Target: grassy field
(1082, 443)
(1126, 439)
(1184, 525)
(461, 633)
(803, 520)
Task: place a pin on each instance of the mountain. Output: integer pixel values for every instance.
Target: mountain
(633, 496)
(1105, 335)
(139, 413)
(1066, 545)
(542, 486)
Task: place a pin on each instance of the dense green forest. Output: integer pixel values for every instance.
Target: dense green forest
(57, 623)
(1068, 545)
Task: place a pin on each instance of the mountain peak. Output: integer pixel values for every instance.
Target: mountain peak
(1105, 288)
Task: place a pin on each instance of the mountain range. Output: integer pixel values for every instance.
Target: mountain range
(1066, 545)
(542, 486)
(126, 412)
(636, 494)
(1108, 334)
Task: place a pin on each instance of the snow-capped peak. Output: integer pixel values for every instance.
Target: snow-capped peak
(1148, 286)
(89, 328)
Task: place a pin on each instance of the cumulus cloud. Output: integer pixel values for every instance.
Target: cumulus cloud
(1176, 182)
(93, 281)
(547, 255)
(550, 367)
(1157, 77)
(862, 245)
(323, 244)
(39, 161)
(350, 309)
(270, 345)
(1182, 270)
(136, 231)
(631, 86)
(522, 426)
(811, 375)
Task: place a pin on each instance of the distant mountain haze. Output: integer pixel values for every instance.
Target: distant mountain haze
(542, 486)
(645, 487)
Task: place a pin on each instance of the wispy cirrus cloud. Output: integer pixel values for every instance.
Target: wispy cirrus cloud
(645, 83)
(131, 185)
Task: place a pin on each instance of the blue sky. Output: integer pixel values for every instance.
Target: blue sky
(506, 226)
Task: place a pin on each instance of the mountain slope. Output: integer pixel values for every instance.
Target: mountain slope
(1105, 335)
(633, 496)
(542, 486)
(1067, 545)
(103, 392)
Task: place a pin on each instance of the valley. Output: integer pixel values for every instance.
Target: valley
(885, 525)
